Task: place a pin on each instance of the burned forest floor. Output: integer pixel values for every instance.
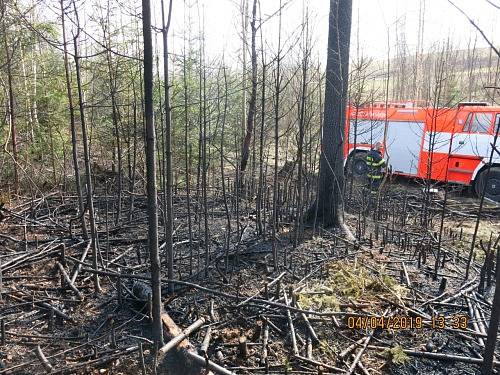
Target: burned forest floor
(380, 304)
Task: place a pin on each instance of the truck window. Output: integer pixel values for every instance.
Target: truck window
(481, 123)
(466, 127)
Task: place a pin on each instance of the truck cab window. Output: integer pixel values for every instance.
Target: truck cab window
(481, 123)
(467, 123)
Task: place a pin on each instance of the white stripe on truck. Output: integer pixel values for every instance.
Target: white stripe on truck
(478, 145)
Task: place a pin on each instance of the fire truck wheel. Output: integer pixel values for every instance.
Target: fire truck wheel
(357, 164)
(492, 190)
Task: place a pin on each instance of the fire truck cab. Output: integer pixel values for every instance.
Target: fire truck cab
(442, 144)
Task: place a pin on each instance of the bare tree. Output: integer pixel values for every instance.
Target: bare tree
(115, 112)
(71, 108)
(86, 155)
(187, 166)
(168, 150)
(151, 174)
(278, 89)
(245, 148)
(302, 121)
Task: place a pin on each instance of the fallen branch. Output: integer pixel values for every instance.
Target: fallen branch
(45, 363)
(68, 281)
(186, 351)
(178, 339)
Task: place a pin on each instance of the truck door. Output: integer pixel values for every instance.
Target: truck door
(403, 146)
(475, 138)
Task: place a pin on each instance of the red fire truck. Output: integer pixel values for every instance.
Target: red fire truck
(442, 144)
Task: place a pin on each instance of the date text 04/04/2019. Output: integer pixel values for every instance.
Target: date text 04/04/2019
(406, 322)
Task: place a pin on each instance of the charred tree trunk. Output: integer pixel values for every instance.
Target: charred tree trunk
(224, 193)
(88, 172)
(276, 145)
(302, 120)
(168, 151)
(115, 114)
(186, 161)
(261, 182)
(133, 162)
(204, 163)
(151, 174)
(331, 178)
(86, 155)
(245, 148)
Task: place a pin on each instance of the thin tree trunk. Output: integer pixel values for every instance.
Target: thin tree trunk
(187, 164)
(88, 173)
(261, 182)
(11, 107)
(71, 108)
(245, 148)
(244, 27)
(168, 151)
(151, 175)
(276, 146)
(204, 172)
(222, 172)
(300, 150)
(115, 117)
(132, 172)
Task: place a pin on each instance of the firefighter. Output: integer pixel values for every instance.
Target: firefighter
(375, 163)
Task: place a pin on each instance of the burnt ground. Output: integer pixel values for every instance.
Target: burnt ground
(327, 297)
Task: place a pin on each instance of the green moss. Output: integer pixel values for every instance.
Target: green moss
(397, 355)
(351, 282)
(320, 301)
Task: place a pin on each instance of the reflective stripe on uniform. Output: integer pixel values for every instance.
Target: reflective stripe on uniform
(370, 161)
(374, 177)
